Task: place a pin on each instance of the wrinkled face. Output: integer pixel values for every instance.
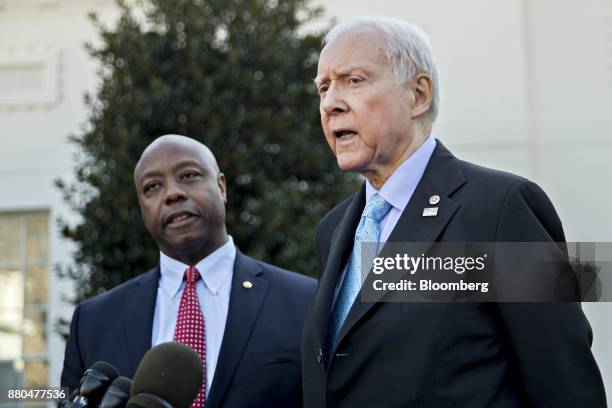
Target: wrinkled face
(365, 112)
(182, 199)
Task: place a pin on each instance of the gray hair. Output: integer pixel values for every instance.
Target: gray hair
(408, 50)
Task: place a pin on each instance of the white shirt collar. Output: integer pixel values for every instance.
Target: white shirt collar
(213, 269)
(399, 187)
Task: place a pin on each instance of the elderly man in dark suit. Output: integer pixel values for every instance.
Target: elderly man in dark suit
(248, 324)
(378, 92)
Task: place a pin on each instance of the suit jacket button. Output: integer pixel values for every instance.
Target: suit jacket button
(320, 356)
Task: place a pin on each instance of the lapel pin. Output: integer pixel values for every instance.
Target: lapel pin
(434, 199)
(247, 284)
(430, 212)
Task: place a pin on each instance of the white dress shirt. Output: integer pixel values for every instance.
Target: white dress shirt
(213, 292)
(398, 188)
(397, 191)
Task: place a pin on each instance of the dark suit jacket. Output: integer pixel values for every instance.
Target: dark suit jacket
(259, 360)
(450, 354)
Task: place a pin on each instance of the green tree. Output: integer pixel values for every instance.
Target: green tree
(236, 75)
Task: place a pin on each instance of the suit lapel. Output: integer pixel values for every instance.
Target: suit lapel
(243, 310)
(341, 244)
(138, 318)
(442, 176)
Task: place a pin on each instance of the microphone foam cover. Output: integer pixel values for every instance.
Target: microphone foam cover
(122, 384)
(171, 371)
(106, 368)
(96, 380)
(117, 394)
(147, 401)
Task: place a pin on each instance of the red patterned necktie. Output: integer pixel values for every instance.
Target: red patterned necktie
(189, 328)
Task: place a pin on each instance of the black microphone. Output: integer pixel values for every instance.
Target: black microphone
(94, 383)
(117, 394)
(169, 376)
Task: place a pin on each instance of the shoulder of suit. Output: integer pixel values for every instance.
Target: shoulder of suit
(474, 172)
(497, 181)
(112, 296)
(507, 193)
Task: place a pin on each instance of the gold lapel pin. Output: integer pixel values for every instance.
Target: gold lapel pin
(430, 212)
(434, 199)
(247, 284)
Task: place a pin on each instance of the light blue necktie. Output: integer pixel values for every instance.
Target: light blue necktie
(368, 231)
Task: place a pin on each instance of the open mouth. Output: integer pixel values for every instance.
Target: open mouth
(179, 219)
(344, 135)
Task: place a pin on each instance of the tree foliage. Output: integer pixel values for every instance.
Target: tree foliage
(236, 75)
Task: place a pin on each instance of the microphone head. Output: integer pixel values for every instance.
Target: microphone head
(170, 371)
(147, 401)
(117, 394)
(105, 368)
(96, 380)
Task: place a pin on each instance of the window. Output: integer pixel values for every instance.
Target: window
(29, 77)
(24, 268)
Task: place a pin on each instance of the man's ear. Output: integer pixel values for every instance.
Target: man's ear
(222, 186)
(423, 93)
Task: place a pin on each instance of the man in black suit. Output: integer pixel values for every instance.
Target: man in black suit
(378, 100)
(252, 312)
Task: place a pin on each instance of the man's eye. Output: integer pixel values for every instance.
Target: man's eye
(355, 80)
(189, 175)
(151, 186)
(323, 89)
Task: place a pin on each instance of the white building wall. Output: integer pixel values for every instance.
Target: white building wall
(526, 87)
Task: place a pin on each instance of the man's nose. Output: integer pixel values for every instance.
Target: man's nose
(174, 192)
(333, 102)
